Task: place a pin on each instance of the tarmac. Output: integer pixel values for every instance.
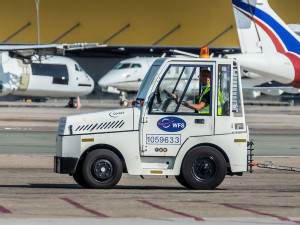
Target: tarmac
(31, 193)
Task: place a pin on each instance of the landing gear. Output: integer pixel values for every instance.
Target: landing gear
(123, 97)
(72, 103)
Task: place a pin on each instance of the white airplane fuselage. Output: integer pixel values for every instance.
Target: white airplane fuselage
(52, 76)
(127, 75)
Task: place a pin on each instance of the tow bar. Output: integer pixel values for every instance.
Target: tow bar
(267, 164)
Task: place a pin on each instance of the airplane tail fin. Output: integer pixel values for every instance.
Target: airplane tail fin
(261, 30)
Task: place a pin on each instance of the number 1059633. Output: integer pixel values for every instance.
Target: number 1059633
(163, 139)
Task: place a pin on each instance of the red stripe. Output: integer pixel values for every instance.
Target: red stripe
(162, 124)
(256, 212)
(4, 210)
(170, 210)
(279, 47)
(77, 205)
(274, 39)
(296, 64)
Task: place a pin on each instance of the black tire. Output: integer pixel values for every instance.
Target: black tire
(182, 181)
(102, 169)
(204, 168)
(78, 177)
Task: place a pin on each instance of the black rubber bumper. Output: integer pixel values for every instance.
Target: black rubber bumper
(64, 164)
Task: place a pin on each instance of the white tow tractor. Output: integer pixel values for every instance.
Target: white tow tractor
(160, 136)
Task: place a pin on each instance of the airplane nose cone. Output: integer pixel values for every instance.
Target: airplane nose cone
(106, 80)
(5, 88)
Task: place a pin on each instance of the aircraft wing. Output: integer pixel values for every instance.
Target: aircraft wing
(27, 50)
(276, 91)
(128, 51)
(270, 88)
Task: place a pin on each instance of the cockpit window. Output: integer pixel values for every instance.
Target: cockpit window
(122, 66)
(135, 65)
(78, 67)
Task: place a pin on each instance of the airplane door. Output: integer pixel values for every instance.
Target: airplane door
(168, 124)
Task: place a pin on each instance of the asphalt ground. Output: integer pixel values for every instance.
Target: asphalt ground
(31, 193)
(30, 190)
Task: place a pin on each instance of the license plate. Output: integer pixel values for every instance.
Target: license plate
(163, 139)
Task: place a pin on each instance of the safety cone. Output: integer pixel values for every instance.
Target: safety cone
(78, 103)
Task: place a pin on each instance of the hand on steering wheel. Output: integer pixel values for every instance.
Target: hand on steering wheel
(171, 96)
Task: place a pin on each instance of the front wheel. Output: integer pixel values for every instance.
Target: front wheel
(102, 169)
(204, 168)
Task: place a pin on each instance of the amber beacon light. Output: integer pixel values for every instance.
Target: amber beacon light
(204, 52)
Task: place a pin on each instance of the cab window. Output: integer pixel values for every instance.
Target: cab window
(182, 82)
(224, 81)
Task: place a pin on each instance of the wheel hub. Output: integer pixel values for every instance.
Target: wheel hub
(102, 169)
(204, 169)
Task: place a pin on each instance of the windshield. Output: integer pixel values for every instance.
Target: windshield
(122, 66)
(147, 82)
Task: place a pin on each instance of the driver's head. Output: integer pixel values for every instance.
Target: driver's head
(204, 77)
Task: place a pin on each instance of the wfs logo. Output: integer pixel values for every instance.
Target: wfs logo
(171, 124)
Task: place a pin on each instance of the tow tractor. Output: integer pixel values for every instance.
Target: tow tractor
(159, 135)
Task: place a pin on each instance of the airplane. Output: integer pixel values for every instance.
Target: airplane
(269, 47)
(28, 70)
(127, 75)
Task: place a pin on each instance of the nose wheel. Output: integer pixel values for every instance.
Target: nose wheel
(123, 97)
(72, 103)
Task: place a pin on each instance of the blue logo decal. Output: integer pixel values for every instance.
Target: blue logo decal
(171, 124)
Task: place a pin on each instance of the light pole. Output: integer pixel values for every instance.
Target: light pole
(37, 2)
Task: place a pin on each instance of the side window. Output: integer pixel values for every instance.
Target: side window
(224, 80)
(236, 101)
(198, 93)
(193, 92)
(174, 82)
(58, 72)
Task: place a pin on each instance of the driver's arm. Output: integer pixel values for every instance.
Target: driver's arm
(197, 106)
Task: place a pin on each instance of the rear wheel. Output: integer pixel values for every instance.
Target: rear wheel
(182, 181)
(204, 168)
(102, 169)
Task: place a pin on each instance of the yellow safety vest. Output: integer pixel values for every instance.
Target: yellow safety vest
(205, 110)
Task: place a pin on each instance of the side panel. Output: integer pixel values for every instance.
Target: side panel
(234, 145)
(125, 142)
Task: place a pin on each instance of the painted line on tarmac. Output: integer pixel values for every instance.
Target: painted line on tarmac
(256, 212)
(170, 210)
(79, 206)
(4, 210)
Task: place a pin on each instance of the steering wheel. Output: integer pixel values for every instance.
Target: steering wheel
(169, 95)
(166, 102)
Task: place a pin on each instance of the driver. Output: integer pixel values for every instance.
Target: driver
(204, 101)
